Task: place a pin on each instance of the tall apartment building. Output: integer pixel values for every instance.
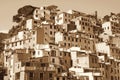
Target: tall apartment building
(110, 36)
(85, 64)
(65, 17)
(110, 47)
(108, 67)
(68, 40)
(79, 32)
(111, 26)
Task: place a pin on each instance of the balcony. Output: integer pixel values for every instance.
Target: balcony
(26, 68)
(97, 74)
(50, 69)
(96, 70)
(46, 68)
(31, 68)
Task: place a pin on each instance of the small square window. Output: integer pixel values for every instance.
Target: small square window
(36, 15)
(50, 26)
(83, 27)
(50, 32)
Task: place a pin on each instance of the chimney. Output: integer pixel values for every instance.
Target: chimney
(96, 15)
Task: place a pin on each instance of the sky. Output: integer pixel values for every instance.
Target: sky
(8, 8)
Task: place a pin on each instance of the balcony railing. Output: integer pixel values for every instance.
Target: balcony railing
(47, 69)
(97, 74)
(26, 68)
(38, 68)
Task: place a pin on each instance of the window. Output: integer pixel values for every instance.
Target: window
(72, 39)
(82, 18)
(7, 44)
(54, 27)
(53, 60)
(80, 40)
(90, 36)
(20, 42)
(65, 14)
(38, 53)
(92, 60)
(104, 28)
(31, 74)
(50, 46)
(50, 75)
(6, 58)
(58, 78)
(36, 11)
(95, 60)
(111, 70)
(60, 53)
(33, 52)
(76, 39)
(85, 24)
(18, 66)
(50, 26)
(68, 38)
(33, 32)
(40, 60)
(41, 76)
(65, 20)
(82, 23)
(27, 64)
(64, 54)
(77, 60)
(58, 70)
(96, 78)
(35, 22)
(89, 48)
(112, 78)
(69, 44)
(63, 78)
(69, 20)
(69, 54)
(76, 45)
(64, 38)
(33, 45)
(64, 44)
(85, 47)
(58, 29)
(42, 64)
(83, 27)
(16, 44)
(53, 53)
(88, 29)
(50, 32)
(36, 15)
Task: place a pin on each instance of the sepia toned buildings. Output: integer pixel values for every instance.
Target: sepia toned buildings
(46, 45)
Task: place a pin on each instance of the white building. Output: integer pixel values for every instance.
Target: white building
(111, 28)
(110, 49)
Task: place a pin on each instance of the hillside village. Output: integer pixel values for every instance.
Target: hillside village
(48, 44)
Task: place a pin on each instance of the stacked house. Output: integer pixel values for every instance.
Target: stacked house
(46, 45)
